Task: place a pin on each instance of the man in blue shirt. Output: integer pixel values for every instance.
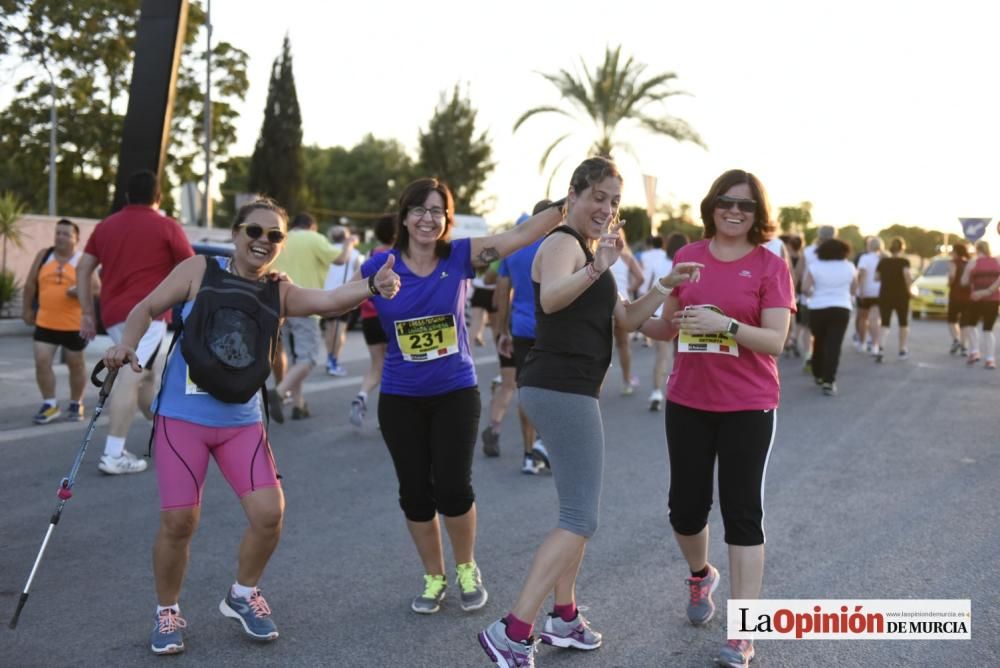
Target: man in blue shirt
(516, 324)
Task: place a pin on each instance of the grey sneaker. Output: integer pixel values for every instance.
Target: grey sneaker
(491, 442)
(126, 463)
(253, 613)
(275, 407)
(736, 653)
(830, 389)
(505, 652)
(470, 581)
(430, 601)
(700, 608)
(359, 408)
(166, 637)
(576, 634)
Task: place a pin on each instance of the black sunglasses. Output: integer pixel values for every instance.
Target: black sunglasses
(744, 205)
(254, 231)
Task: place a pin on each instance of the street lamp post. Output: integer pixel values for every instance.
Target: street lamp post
(52, 146)
(206, 196)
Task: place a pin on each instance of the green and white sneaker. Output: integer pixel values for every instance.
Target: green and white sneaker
(470, 581)
(430, 601)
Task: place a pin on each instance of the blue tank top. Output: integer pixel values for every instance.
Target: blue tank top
(428, 352)
(182, 400)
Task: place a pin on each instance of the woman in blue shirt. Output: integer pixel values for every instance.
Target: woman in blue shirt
(429, 404)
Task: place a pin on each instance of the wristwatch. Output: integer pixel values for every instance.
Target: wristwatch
(733, 327)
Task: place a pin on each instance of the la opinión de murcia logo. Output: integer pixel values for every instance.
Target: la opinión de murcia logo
(947, 619)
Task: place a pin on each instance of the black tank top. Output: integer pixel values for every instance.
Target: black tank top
(572, 350)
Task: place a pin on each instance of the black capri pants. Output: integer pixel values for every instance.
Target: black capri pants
(741, 442)
(981, 311)
(431, 441)
(900, 304)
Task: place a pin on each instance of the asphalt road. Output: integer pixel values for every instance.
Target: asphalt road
(886, 491)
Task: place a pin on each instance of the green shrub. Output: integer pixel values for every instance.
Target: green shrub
(8, 288)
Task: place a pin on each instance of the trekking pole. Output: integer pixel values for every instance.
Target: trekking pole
(65, 491)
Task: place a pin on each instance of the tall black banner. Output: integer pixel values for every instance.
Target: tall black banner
(158, 44)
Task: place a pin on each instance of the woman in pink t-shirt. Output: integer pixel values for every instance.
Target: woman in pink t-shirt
(723, 391)
(982, 275)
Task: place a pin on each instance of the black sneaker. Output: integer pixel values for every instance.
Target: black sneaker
(830, 389)
(301, 413)
(491, 442)
(956, 346)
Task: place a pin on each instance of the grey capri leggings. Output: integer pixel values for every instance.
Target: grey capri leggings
(574, 438)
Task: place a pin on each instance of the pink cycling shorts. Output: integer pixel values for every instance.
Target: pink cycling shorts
(182, 450)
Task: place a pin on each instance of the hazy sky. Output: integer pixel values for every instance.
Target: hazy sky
(877, 112)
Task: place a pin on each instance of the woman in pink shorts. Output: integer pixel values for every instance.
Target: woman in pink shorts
(193, 424)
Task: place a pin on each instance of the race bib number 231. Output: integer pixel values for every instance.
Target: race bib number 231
(428, 338)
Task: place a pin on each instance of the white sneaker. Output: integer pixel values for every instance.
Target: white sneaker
(127, 463)
(539, 451)
(656, 400)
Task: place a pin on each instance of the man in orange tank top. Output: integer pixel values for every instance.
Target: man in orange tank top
(51, 305)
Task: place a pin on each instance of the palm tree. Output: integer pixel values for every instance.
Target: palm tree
(10, 224)
(613, 94)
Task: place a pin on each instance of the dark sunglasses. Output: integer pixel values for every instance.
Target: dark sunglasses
(744, 205)
(254, 231)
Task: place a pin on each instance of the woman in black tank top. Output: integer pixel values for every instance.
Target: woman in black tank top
(575, 301)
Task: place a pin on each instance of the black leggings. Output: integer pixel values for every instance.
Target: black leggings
(741, 441)
(431, 441)
(828, 325)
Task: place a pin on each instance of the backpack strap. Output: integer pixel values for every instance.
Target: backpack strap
(45, 258)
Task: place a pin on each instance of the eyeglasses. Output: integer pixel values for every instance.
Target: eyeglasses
(744, 205)
(437, 213)
(254, 231)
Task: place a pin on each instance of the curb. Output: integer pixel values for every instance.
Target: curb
(15, 327)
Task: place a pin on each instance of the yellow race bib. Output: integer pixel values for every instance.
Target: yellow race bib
(721, 343)
(428, 338)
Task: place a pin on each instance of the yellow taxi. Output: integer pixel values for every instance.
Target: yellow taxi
(929, 292)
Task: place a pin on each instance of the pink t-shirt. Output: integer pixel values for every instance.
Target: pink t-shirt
(741, 289)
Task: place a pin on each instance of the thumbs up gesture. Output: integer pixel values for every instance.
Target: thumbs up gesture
(386, 281)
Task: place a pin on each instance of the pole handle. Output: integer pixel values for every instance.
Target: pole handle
(105, 383)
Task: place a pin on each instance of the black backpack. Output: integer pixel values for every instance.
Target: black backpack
(231, 334)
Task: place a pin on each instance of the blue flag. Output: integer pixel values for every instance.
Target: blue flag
(974, 228)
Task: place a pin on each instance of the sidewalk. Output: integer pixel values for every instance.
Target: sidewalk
(21, 398)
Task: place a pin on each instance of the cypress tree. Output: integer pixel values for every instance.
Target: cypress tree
(276, 168)
(451, 150)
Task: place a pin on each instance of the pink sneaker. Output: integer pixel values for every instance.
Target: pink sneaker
(736, 653)
(700, 608)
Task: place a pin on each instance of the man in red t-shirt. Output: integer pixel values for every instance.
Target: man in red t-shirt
(136, 249)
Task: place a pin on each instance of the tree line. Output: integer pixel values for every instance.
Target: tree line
(360, 182)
